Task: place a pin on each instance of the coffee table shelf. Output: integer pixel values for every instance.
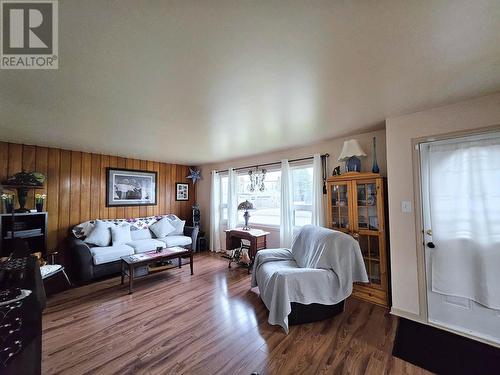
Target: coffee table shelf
(131, 263)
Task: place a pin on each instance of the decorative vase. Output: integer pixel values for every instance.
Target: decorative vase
(22, 194)
(39, 206)
(375, 168)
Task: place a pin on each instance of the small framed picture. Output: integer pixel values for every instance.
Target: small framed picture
(181, 191)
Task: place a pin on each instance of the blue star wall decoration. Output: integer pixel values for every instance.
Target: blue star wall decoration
(194, 174)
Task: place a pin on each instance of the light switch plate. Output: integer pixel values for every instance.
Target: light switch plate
(406, 207)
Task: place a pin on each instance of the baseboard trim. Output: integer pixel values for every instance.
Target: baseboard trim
(407, 315)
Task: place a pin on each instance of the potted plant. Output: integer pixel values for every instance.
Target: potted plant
(39, 198)
(8, 200)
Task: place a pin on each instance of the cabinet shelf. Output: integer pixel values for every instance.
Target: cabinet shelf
(24, 237)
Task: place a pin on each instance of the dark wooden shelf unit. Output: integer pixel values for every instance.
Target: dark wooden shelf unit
(24, 223)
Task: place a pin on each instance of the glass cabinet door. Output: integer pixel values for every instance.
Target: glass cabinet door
(339, 194)
(368, 227)
(366, 195)
(370, 250)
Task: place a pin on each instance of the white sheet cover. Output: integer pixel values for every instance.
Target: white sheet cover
(320, 268)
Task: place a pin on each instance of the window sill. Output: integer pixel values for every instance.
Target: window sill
(267, 227)
(264, 226)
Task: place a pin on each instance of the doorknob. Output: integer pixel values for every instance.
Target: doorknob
(431, 245)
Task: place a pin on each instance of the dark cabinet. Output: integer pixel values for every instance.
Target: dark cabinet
(32, 227)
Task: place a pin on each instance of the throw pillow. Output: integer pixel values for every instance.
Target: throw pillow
(100, 235)
(120, 234)
(162, 228)
(178, 224)
(140, 234)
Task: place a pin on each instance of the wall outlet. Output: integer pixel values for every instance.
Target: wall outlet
(406, 207)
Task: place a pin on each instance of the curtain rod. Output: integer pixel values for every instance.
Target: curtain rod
(274, 163)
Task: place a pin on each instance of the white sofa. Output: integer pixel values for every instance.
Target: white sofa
(88, 262)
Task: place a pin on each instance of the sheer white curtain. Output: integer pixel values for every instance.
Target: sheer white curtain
(286, 208)
(215, 211)
(232, 199)
(464, 198)
(318, 215)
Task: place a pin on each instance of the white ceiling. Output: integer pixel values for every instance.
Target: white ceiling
(203, 81)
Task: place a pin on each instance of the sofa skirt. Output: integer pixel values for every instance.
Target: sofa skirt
(313, 312)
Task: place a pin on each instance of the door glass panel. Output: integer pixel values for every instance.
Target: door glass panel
(340, 207)
(336, 217)
(374, 249)
(364, 245)
(371, 255)
(374, 275)
(459, 180)
(367, 206)
(363, 217)
(361, 189)
(371, 194)
(344, 217)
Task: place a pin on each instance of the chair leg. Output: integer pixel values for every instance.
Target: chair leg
(66, 277)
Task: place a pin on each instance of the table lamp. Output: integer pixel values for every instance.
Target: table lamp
(350, 153)
(246, 205)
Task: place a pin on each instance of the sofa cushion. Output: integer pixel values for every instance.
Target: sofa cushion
(120, 234)
(141, 246)
(106, 254)
(178, 225)
(100, 234)
(172, 241)
(162, 228)
(140, 234)
(82, 230)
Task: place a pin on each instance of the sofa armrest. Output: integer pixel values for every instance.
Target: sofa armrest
(80, 260)
(193, 233)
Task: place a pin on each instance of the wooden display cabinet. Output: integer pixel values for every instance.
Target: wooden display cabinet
(356, 206)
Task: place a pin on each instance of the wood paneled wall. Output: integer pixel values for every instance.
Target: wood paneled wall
(76, 186)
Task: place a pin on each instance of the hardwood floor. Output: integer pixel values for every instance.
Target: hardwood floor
(208, 323)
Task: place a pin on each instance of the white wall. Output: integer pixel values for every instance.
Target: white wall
(333, 147)
(400, 131)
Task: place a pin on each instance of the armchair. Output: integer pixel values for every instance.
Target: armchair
(310, 281)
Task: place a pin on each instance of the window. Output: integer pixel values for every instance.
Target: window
(266, 203)
(302, 188)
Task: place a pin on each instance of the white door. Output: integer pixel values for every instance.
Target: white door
(460, 180)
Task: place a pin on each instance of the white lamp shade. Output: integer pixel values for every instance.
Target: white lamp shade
(351, 148)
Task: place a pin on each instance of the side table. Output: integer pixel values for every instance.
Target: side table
(256, 237)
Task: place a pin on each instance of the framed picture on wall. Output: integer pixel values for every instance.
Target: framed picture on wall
(129, 187)
(181, 191)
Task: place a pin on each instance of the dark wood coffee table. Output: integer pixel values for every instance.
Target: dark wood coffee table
(131, 262)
